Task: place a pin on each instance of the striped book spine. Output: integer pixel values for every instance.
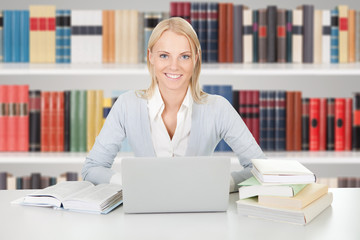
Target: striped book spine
(326, 36)
(238, 33)
(67, 36)
(1, 36)
(288, 36)
(263, 119)
(280, 121)
(330, 124)
(194, 16)
(305, 124)
(255, 115)
(151, 19)
(297, 36)
(271, 121)
(34, 120)
(255, 35)
(247, 36)
(24, 36)
(202, 34)
(343, 33)
(23, 121)
(334, 42)
(262, 46)
(281, 35)
(212, 32)
(59, 36)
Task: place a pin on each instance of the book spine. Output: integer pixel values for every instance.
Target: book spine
(263, 120)
(255, 36)
(305, 124)
(297, 121)
(289, 36)
(222, 32)
(13, 120)
(194, 16)
(16, 36)
(107, 107)
(271, 29)
(140, 35)
(280, 121)
(330, 140)
(1, 37)
(343, 33)
(238, 33)
(23, 122)
(334, 36)
(3, 180)
(35, 181)
(202, 21)
(317, 36)
(281, 35)
(105, 36)
(357, 36)
(52, 121)
(24, 36)
(308, 39)
(247, 36)
(348, 124)
(67, 36)
(212, 32)
(356, 122)
(74, 120)
(326, 33)
(351, 35)
(67, 104)
(290, 114)
(262, 36)
(249, 109)
(7, 41)
(82, 121)
(59, 33)
(314, 124)
(255, 115)
(34, 120)
(59, 130)
(45, 121)
(271, 121)
(323, 126)
(339, 124)
(187, 9)
(174, 9)
(229, 33)
(243, 106)
(150, 22)
(4, 115)
(50, 35)
(297, 36)
(99, 99)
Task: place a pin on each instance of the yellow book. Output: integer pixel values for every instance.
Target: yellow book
(99, 100)
(35, 34)
(352, 36)
(50, 35)
(90, 119)
(343, 33)
(305, 197)
(318, 36)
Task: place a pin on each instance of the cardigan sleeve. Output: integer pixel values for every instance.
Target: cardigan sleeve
(236, 134)
(97, 167)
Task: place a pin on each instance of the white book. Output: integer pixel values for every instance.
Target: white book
(247, 37)
(275, 171)
(326, 36)
(297, 37)
(95, 40)
(79, 196)
(76, 39)
(250, 207)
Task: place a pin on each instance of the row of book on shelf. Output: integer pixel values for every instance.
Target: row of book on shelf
(278, 120)
(227, 32)
(231, 32)
(34, 180)
(282, 190)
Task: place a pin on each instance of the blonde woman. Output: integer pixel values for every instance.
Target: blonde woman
(173, 117)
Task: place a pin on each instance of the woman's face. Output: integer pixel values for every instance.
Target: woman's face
(172, 61)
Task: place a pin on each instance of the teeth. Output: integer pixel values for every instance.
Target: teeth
(173, 75)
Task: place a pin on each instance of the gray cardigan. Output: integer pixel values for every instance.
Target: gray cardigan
(211, 121)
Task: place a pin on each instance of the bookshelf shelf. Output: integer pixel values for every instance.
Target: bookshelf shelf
(218, 69)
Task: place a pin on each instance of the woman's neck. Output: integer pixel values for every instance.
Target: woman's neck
(173, 99)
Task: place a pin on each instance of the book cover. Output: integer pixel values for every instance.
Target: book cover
(297, 36)
(34, 120)
(314, 124)
(4, 116)
(334, 53)
(343, 33)
(280, 121)
(247, 35)
(308, 33)
(23, 121)
(45, 121)
(212, 31)
(326, 36)
(330, 124)
(262, 32)
(281, 35)
(271, 30)
(289, 17)
(339, 124)
(305, 124)
(305, 197)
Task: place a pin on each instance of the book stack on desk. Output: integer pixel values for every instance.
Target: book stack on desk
(282, 190)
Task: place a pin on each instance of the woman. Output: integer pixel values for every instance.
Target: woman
(173, 117)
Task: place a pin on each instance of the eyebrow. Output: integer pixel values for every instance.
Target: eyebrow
(162, 51)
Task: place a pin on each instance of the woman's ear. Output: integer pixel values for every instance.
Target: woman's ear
(150, 56)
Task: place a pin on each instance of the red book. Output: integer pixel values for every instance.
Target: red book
(339, 124)
(255, 117)
(323, 125)
(23, 119)
(13, 119)
(45, 123)
(174, 9)
(314, 124)
(249, 111)
(187, 9)
(60, 122)
(53, 121)
(3, 117)
(348, 123)
(180, 9)
(243, 106)
(222, 32)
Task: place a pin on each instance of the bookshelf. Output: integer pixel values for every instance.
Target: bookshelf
(314, 80)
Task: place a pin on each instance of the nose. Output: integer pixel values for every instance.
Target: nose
(174, 64)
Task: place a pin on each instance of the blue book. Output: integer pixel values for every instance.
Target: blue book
(194, 16)
(255, 35)
(66, 34)
(59, 37)
(289, 36)
(202, 34)
(212, 32)
(151, 19)
(7, 31)
(1, 36)
(280, 121)
(15, 25)
(263, 120)
(334, 43)
(271, 121)
(24, 35)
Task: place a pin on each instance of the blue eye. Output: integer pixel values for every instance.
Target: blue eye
(185, 57)
(163, 56)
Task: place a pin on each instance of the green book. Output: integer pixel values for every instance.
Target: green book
(74, 127)
(252, 187)
(82, 121)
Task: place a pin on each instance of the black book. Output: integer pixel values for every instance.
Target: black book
(72, 176)
(308, 37)
(3, 180)
(35, 181)
(235, 100)
(66, 121)
(238, 33)
(305, 124)
(34, 120)
(271, 23)
(356, 122)
(330, 124)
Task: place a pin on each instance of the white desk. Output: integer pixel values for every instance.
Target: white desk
(341, 221)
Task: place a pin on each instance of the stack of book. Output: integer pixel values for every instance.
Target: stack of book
(282, 190)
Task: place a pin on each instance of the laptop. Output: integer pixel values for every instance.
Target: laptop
(175, 184)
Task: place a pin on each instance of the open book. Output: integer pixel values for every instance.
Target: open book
(79, 196)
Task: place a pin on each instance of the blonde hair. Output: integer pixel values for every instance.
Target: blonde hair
(180, 26)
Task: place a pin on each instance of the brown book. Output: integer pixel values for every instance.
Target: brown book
(229, 32)
(297, 121)
(281, 35)
(290, 114)
(262, 36)
(222, 32)
(351, 32)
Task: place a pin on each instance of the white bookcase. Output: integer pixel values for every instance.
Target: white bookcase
(314, 80)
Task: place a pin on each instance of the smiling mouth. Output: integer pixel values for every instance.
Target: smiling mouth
(173, 76)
